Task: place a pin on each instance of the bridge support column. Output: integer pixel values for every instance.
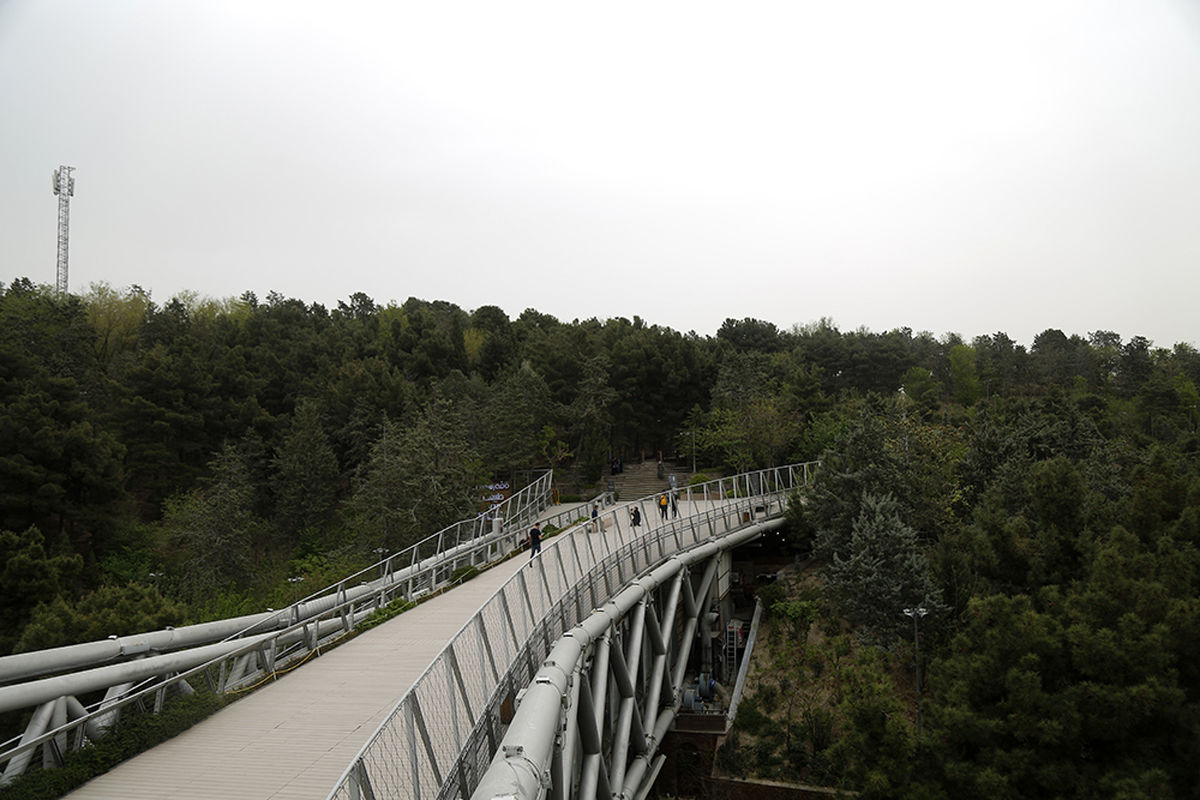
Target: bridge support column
(37, 726)
(725, 607)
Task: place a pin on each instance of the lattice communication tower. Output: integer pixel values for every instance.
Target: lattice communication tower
(64, 187)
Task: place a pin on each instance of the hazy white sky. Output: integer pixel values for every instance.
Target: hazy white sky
(947, 166)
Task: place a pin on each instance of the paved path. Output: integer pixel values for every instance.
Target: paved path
(295, 737)
(292, 739)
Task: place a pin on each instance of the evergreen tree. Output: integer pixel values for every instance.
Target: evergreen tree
(29, 576)
(306, 475)
(881, 571)
(213, 529)
(591, 417)
(108, 611)
(416, 481)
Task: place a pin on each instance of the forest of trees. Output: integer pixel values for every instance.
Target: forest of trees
(166, 463)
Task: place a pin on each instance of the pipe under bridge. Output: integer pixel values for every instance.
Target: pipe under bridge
(139, 673)
(441, 735)
(566, 681)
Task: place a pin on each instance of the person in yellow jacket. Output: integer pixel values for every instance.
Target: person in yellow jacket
(662, 505)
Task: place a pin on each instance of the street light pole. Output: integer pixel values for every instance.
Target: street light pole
(917, 613)
(295, 582)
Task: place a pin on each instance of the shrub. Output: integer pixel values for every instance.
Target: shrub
(698, 479)
(464, 574)
(764, 755)
(770, 595)
(819, 725)
(797, 753)
(382, 615)
(749, 718)
(731, 757)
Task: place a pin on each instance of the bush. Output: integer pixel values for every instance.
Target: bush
(819, 726)
(797, 753)
(764, 755)
(731, 757)
(464, 574)
(771, 594)
(698, 479)
(382, 615)
(749, 718)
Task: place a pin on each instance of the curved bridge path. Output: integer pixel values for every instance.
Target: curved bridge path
(294, 737)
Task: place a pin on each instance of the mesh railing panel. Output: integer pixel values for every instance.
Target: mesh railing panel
(438, 734)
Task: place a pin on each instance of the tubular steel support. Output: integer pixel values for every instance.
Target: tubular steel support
(144, 669)
(633, 761)
(563, 686)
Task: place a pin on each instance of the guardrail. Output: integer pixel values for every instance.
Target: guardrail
(259, 647)
(441, 736)
(580, 512)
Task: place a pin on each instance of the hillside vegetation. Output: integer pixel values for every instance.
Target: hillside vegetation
(171, 462)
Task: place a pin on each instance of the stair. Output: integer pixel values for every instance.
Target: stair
(640, 480)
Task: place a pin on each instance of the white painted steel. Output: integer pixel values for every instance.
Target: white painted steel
(247, 656)
(413, 748)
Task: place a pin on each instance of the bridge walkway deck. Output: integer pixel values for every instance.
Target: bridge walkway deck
(292, 738)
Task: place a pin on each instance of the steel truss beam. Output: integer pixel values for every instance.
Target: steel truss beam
(235, 653)
(588, 566)
(555, 739)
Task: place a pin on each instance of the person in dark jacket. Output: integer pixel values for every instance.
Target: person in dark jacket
(535, 543)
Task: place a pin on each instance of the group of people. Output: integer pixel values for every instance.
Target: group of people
(667, 501)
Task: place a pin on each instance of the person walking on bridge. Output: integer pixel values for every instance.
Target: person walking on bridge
(635, 518)
(662, 506)
(535, 543)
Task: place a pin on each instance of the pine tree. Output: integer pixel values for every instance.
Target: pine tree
(416, 481)
(214, 527)
(306, 475)
(881, 572)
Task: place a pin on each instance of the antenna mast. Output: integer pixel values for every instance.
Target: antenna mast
(64, 187)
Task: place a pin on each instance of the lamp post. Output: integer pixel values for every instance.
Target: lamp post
(917, 613)
(156, 577)
(295, 588)
(693, 435)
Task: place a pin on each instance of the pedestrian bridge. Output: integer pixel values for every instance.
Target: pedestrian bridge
(560, 675)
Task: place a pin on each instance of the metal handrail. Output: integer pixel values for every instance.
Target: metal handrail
(734, 500)
(516, 510)
(315, 621)
(254, 655)
(577, 513)
(528, 503)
